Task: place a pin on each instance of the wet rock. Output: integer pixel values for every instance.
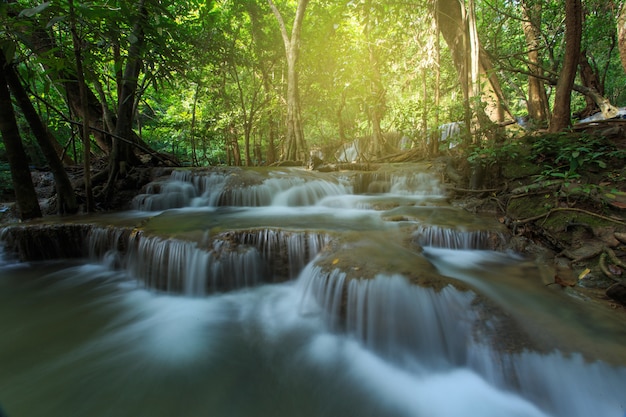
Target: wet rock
(46, 242)
(617, 292)
(588, 250)
(607, 235)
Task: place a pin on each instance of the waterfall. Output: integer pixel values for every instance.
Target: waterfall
(182, 189)
(424, 330)
(349, 293)
(219, 263)
(440, 237)
(278, 188)
(395, 318)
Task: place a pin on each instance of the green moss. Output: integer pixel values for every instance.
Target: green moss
(519, 168)
(561, 219)
(530, 206)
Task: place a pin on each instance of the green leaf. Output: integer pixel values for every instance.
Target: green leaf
(35, 10)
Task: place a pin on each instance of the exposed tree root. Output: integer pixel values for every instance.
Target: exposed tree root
(609, 253)
(554, 210)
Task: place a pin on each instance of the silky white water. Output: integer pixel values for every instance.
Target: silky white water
(189, 321)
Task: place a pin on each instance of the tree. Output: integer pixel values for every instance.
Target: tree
(475, 73)
(561, 118)
(122, 155)
(294, 141)
(84, 104)
(621, 34)
(66, 199)
(376, 98)
(25, 196)
(538, 106)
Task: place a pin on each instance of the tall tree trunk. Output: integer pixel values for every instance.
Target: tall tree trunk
(80, 76)
(474, 50)
(376, 99)
(66, 199)
(538, 107)
(453, 24)
(192, 129)
(234, 145)
(42, 44)
(25, 195)
(122, 153)
(561, 116)
(434, 136)
(295, 143)
(621, 34)
(341, 124)
(273, 127)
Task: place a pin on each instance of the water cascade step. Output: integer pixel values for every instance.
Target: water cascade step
(280, 292)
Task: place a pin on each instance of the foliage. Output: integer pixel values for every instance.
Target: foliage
(492, 153)
(214, 73)
(566, 155)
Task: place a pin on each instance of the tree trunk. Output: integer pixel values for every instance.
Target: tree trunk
(192, 129)
(122, 153)
(434, 136)
(271, 146)
(561, 116)
(453, 26)
(589, 79)
(25, 196)
(621, 34)
(376, 99)
(40, 42)
(538, 107)
(234, 146)
(82, 88)
(341, 124)
(295, 144)
(66, 199)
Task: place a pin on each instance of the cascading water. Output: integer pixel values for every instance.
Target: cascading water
(285, 293)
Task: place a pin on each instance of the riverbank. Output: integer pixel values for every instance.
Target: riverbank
(572, 219)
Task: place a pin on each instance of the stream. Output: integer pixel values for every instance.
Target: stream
(285, 292)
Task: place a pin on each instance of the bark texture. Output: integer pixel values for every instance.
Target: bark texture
(621, 34)
(294, 142)
(66, 199)
(538, 106)
(25, 196)
(561, 116)
(453, 26)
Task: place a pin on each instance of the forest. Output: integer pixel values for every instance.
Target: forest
(93, 89)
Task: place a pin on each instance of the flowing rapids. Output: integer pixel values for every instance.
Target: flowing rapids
(290, 293)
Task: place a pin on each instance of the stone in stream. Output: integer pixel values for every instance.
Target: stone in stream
(617, 292)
